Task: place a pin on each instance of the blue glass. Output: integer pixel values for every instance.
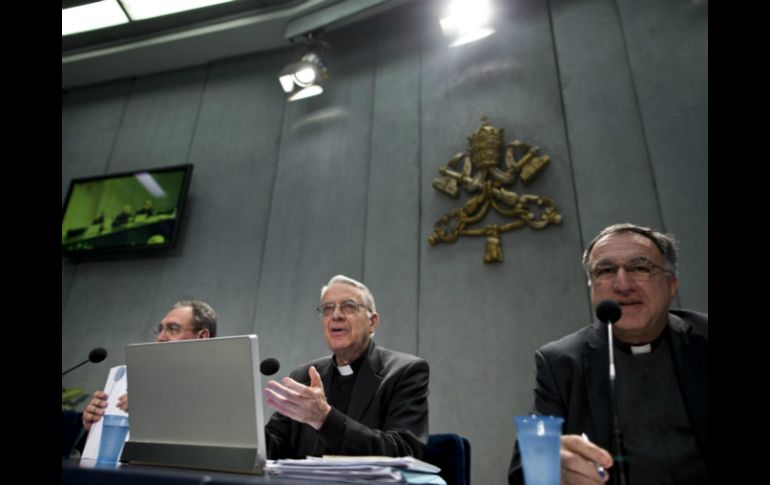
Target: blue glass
(539, 441)
(114, 431)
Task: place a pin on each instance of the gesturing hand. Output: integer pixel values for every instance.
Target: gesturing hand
(306, 404)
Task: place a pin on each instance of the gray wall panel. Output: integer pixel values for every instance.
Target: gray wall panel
(286, 195)
(90, 122)
(607, 144)
(392, 221)
(159, 122)
(668, 50)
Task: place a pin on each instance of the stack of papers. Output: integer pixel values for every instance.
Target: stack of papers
(358, 469)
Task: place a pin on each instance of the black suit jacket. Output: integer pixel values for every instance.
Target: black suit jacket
(387, 414)
(572, 381)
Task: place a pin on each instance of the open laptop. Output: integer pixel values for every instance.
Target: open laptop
(196, 404)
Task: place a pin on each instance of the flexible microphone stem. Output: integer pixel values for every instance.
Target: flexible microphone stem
(73, 368)
(609, 312)
(95, 356)
(620, 477)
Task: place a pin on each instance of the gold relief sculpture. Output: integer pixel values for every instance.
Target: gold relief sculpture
(482, 175)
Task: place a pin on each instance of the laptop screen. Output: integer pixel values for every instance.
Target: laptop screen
(196, 404)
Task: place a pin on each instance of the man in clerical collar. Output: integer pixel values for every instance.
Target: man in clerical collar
(362, 400)
(662, 371)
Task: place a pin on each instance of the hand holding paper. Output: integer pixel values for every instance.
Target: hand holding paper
(117, 384)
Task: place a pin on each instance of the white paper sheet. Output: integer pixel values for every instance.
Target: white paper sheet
(116, 386)
(358, 469)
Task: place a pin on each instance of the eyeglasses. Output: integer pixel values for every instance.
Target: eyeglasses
(171, 329)
(347, 307)
(636, 270)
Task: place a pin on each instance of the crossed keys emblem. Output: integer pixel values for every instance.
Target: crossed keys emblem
(482, 175)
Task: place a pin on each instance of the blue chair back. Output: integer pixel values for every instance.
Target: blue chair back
(452, 453)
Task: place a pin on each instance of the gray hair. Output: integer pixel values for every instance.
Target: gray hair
(367, 295)
(664, 242)
(203, 315)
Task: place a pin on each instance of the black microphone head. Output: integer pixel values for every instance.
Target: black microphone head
(97, 355)
(269, 366)
(608, 311)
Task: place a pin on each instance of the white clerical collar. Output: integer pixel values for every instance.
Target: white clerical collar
(641, 349)
(345, 370)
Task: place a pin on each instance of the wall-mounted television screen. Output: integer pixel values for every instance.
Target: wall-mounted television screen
(124, 212)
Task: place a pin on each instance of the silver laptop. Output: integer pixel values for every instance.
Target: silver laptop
(196, 404)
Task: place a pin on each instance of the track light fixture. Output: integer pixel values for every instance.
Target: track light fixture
(304, 78)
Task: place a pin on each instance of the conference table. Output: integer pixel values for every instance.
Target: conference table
(76, 471)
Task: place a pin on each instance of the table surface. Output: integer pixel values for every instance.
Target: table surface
(76, 471)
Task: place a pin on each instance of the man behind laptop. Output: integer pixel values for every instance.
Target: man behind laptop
(361, 400)
(187, 320)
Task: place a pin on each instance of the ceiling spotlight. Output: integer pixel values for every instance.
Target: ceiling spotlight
(467, 21)
(304, 78)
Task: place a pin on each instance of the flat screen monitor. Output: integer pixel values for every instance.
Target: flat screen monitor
(130, 211)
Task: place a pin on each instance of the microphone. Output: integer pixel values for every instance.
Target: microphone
(609, 312)
(269, 366)
(97, 355)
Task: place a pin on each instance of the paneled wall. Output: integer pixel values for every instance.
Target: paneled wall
(286, 195)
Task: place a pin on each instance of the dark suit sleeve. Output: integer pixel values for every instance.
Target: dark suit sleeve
(278, 437)
(547, 401)
(281, 431)
(403, 418)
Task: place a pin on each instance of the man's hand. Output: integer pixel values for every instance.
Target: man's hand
(578, 461)
(95, 409)
(306, 404)
(123, 402)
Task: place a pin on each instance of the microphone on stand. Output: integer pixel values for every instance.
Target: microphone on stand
(95, 356)
(609, 312)
(269, 366)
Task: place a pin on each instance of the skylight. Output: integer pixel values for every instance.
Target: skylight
(108, 13)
